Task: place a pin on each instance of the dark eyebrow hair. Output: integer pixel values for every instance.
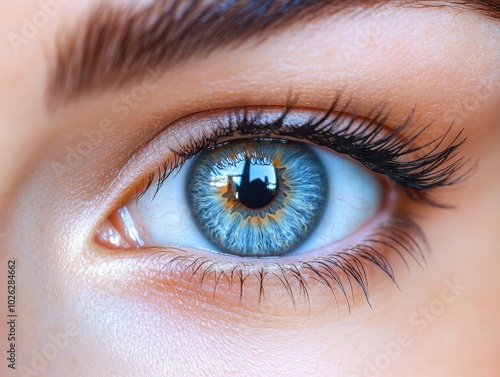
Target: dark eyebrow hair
(116, 44)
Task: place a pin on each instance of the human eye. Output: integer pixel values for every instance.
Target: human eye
(236, 200)
(385, 264)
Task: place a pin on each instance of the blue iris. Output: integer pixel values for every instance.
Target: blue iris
(258, 198)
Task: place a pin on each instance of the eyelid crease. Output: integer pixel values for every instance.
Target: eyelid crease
(419, 169)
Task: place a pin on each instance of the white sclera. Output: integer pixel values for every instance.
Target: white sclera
(354, 197)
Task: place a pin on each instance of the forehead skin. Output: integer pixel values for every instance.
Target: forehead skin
(443, 62)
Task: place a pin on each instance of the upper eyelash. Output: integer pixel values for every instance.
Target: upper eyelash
(365, 141)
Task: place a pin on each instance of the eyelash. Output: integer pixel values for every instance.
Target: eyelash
(335, 270)
(363, 141)
(366, 141)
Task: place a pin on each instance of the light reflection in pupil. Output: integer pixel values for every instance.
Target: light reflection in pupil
(255, 184)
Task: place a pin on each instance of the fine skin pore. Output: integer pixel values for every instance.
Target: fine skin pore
(121, 319)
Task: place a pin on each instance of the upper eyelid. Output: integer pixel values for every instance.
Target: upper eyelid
(441, 162)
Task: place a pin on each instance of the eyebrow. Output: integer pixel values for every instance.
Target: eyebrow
(116, 45)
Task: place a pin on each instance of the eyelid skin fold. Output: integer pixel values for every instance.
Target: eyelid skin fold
(417, 165)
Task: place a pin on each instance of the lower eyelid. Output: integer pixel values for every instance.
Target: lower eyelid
(329, 285)
(335, 278)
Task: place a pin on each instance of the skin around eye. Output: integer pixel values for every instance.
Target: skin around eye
(364, 230)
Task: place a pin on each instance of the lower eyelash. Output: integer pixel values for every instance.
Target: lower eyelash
(338, 272)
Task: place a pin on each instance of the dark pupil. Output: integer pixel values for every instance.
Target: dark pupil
(256, 186)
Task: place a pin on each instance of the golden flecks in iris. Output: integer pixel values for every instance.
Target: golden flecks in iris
(233, 205)
(278, 160)
(261, 222)
(224, 191)
(222, 186)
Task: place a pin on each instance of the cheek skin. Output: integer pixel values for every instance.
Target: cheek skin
(463, 326)
(130, 324)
